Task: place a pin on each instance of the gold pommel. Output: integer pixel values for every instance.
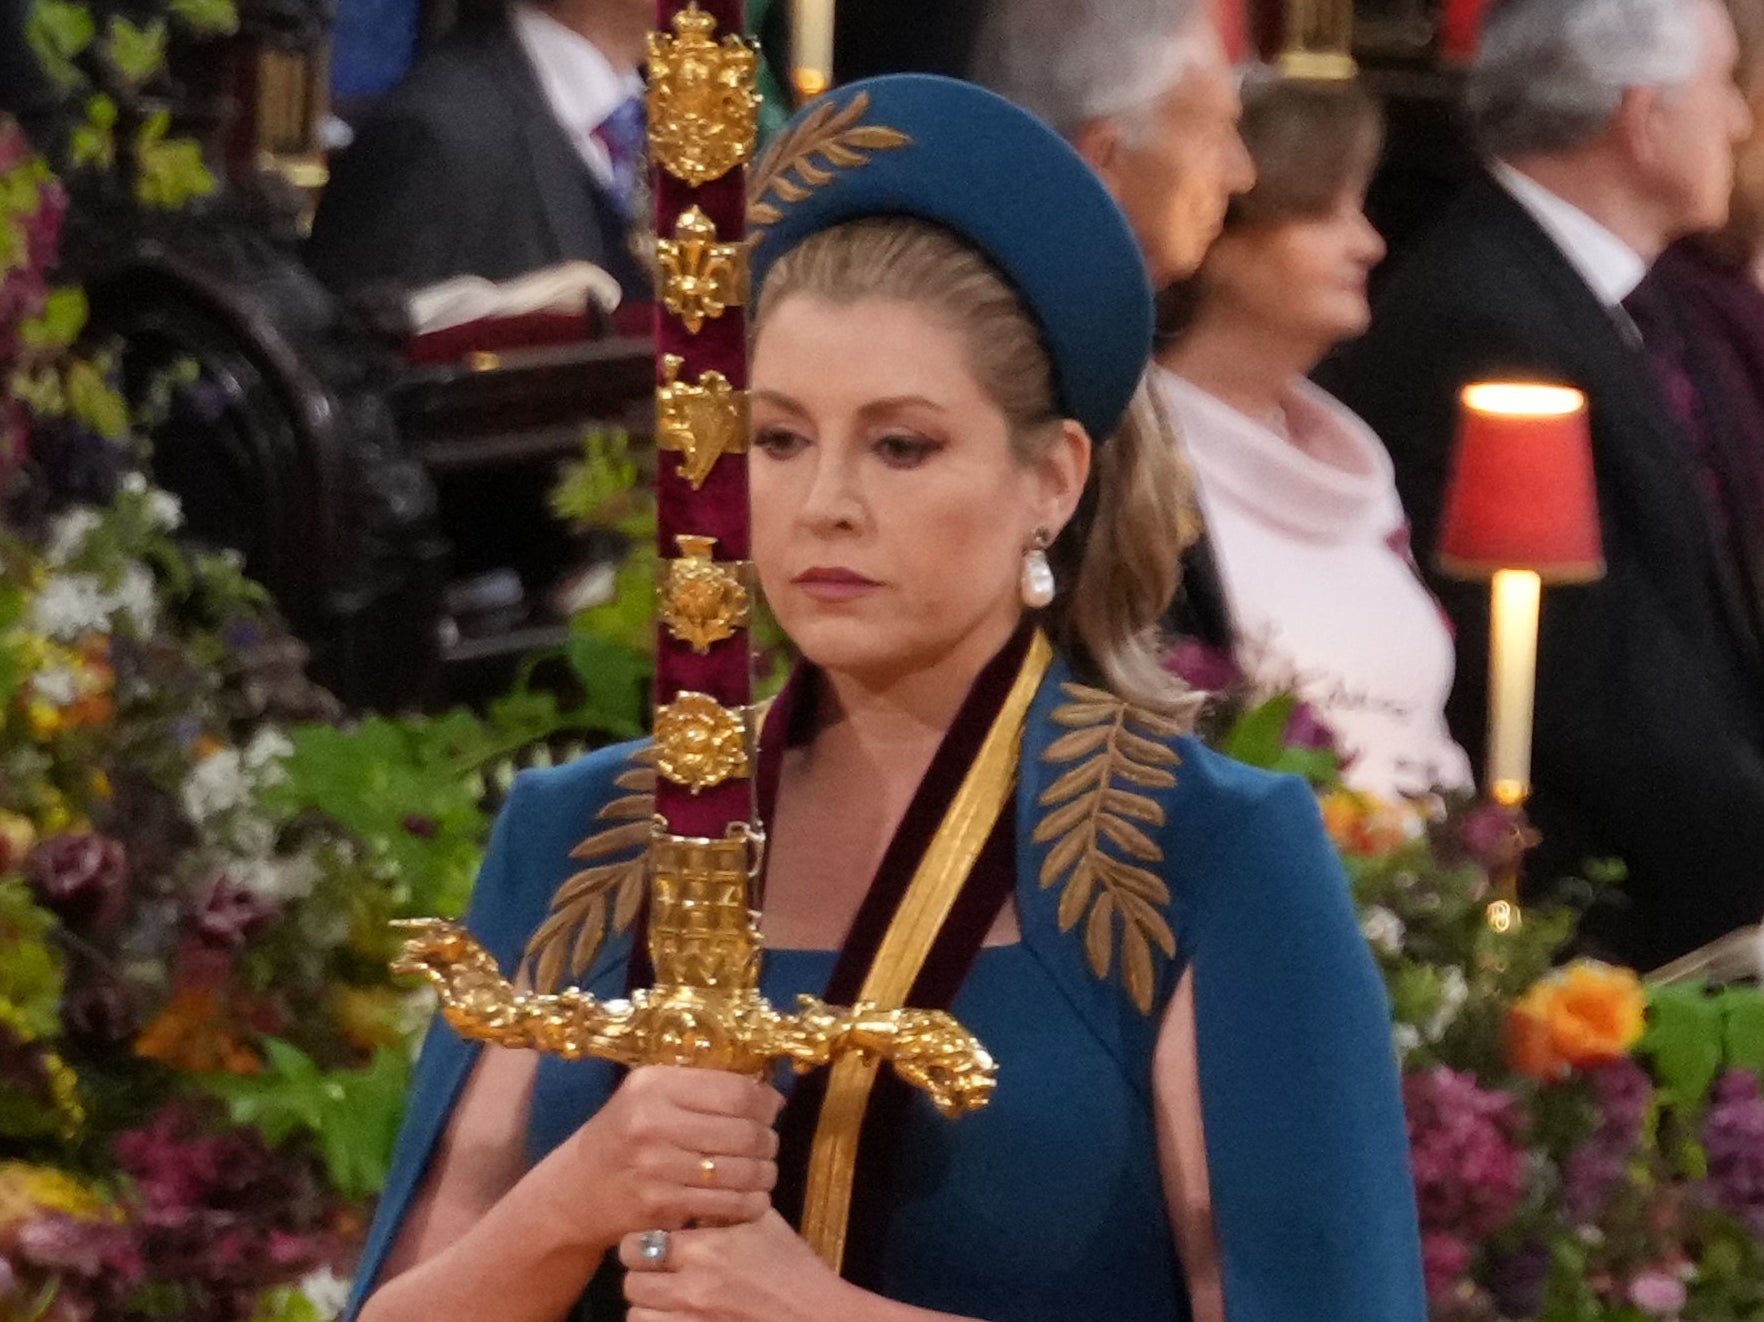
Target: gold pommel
(703, 101)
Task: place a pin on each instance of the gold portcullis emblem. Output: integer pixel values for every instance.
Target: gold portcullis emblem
(702, 422)
(703, 109)
(699, 742)
(701, 600)
(701, 278)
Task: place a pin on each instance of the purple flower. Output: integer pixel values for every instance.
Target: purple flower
(1465, 1152)
(1593, 1172)
(83, 878)
(1733, 1136)
(1518, 1280)
(1305, 729)
(225, 912)
(91, 1249)
(1201, 667)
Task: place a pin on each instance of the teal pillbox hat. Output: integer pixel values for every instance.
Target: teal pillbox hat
(964, 158)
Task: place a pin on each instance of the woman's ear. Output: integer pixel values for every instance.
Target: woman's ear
(1061, 472)
(1099, 142)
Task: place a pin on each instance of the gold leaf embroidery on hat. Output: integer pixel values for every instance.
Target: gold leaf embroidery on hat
(789, 171)
(1099, 852)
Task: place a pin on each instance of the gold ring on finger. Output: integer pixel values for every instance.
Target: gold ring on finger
(707, 1171)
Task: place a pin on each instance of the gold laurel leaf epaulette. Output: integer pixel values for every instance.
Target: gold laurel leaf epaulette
(789, 171)
(1100, 853)
(565, 944)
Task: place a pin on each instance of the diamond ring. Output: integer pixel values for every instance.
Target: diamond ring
(652, 1247)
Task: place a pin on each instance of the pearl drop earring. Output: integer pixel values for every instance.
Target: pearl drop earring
(1038, 576)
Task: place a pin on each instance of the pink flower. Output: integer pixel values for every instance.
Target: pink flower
(1444, 1260)
(83, 878)
(1657, 1293)
(1465, 1152)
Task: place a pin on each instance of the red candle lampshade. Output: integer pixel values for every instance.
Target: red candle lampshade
(1522, 494)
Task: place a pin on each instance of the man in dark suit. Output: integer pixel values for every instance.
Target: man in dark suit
(512, 146)
(1608, 126)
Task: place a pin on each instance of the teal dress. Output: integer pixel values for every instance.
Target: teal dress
(1048, 1206)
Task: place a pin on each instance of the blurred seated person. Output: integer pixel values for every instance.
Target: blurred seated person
(515, 144)
(1297, 494)
(1701, 315)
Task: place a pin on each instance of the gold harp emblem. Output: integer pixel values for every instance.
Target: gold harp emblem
(701, 600)
(703, 110)
(699, 742)
(702, 422)
(701, 278)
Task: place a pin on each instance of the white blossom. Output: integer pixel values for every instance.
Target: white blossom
(164, 510)
(266, 752)
(1406, 1038)
(69, 533)
(134, 484)
(137, 597)
(326, 1291)
(274, 880)
(215, 785)
(1454, 991)
(59, 686)
(70, 606)
(1383, 929)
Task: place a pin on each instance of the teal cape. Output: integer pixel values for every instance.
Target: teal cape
(1048, 1206)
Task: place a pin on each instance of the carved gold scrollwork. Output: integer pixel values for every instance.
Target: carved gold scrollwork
(699, 742)
(701, 278)
(703, 106)
(702, 422)
(703, 601)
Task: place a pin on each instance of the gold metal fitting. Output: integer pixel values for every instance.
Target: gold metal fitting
(701, 600)
(701, 278)
(701, 931)
(703, 101)
(702, 422)
(699, 742)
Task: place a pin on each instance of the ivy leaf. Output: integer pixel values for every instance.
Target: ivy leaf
(138, 53)
(94, 142)
(1685, 1039)
(59, 324)
(170, 170)
(216, 17)
(57, 32)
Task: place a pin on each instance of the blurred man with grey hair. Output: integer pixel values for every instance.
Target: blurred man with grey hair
(1144, 90)
(1608, 129)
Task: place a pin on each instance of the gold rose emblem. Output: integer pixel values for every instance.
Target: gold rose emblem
(699, 742)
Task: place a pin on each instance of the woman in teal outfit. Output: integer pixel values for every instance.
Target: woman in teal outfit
(1197, 1112)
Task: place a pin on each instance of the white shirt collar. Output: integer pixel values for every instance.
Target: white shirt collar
(580, 84)
(1610, 267)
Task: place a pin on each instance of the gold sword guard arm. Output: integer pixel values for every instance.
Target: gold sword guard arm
(705, 1028)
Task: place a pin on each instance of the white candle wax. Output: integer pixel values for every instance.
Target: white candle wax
(1512, 682)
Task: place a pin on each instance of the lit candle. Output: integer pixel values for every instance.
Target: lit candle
(1512, 680)
(812, 44)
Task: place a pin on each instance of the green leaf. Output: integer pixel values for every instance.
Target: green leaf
(1743, 1009)
(92, 401)
(615, 680)
(31, 977)
(1684, 1039)
(138, 53)
(218, 17)
(60, 323)
(170, 171)
(94, 142)
(57, 32)
(1259, 736)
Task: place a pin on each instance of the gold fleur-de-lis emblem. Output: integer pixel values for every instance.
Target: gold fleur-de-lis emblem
(701, 422)
(700, 600)
(701, 278)
(699, 742)
(703, 106)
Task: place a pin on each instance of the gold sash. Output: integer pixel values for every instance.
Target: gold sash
(931, 894)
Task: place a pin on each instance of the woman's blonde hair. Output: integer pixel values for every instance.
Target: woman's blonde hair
(1116, 562)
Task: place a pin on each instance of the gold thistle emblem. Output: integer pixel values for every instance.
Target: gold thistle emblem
(699, 742)
(700, 600)
(703, 109)
(701, 278)
(702, 422)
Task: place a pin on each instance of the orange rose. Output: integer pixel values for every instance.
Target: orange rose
(1583, 1015)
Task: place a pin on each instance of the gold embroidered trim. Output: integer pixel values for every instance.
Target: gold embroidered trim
(570, 937)
(831, 132)
(1113, 746)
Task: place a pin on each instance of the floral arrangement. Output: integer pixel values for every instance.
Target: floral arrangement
(1585, 1148)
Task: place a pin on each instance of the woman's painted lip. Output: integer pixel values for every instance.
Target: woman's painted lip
(829, 584)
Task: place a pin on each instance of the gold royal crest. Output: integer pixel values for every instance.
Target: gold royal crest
(703, 109)
(701, 600)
